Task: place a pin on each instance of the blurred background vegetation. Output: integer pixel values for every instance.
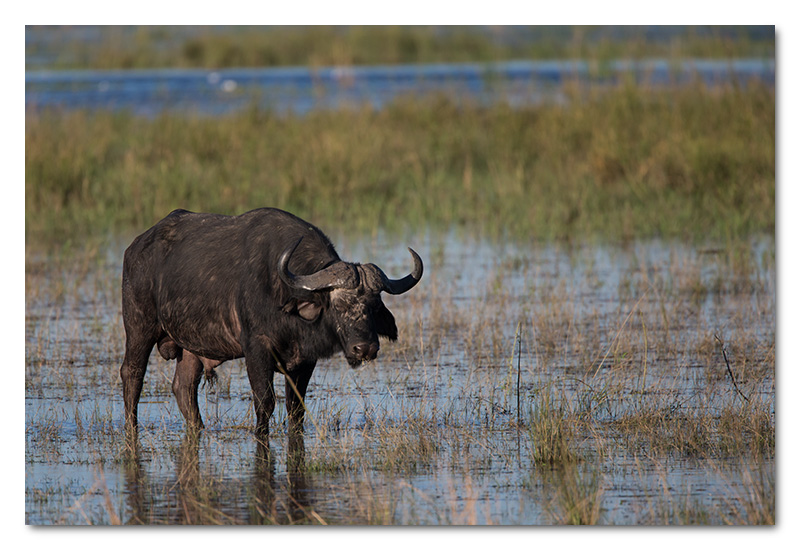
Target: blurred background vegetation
(630, 161)
(247, 46)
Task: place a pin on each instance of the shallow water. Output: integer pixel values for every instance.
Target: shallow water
(431, 432)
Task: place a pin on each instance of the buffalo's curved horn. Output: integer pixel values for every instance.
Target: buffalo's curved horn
(337, 275)
(399, 286)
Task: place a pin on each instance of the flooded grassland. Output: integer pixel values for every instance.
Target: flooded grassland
(531, 384)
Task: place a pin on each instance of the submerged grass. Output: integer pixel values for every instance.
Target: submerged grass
(653, 434)
(625, 163)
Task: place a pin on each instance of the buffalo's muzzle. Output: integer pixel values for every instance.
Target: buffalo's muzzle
(365, 351)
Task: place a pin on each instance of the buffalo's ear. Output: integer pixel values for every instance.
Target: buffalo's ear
(309, 310)
(384, 323)
(305, 309)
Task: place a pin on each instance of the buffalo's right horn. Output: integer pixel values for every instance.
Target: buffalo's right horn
(399, 286)
(337, 275)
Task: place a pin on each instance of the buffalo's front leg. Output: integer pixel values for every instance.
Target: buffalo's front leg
(188, 373)
(296, 385)
(260, 371)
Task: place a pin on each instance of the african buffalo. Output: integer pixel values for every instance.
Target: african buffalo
(264, 285)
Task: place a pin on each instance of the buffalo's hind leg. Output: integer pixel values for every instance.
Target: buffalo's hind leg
(188, 374)
(134, 366)
(141, 333)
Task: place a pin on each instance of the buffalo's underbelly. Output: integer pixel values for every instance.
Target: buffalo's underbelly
(204, 335)
(211, 348)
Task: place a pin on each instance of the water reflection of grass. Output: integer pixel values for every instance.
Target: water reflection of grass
(622, 164)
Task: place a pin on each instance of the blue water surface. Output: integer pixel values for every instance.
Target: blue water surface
(301, 89)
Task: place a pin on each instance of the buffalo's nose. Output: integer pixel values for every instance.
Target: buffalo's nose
(366, 352)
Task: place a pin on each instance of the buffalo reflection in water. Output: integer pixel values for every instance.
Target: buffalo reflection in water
(192, 496)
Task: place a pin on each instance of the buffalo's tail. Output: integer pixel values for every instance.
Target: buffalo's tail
(211, 377)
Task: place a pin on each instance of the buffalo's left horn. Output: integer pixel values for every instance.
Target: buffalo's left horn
(399, 286)
(337, 275)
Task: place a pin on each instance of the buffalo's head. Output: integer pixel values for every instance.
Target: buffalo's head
(351, 293)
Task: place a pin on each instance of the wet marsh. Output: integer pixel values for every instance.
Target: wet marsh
(593, 341)
(531, 384)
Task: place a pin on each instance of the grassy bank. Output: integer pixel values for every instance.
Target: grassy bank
(219, 47)
(689, 163)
